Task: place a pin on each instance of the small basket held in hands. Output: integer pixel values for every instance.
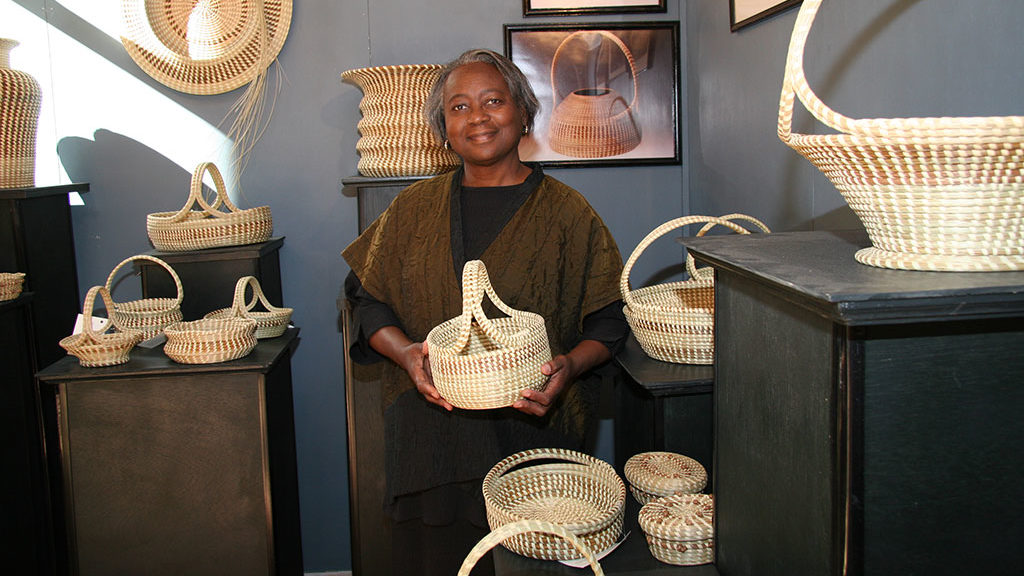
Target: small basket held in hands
(11, 284)
(106, 348)
(209, 227)
(210, 341)
(481, 363)
(147, 315)
(269, 324)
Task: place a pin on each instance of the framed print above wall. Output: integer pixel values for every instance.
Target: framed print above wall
(582, 7)
(746, 12)
(609, 93)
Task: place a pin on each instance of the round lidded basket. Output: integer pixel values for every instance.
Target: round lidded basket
(94, 349)
(937, 194)
(680, 529)
(11, 284)
(576, 491)
(209, 341)
(147, 315)
(270, 323)
(395, 138)
(653, 475)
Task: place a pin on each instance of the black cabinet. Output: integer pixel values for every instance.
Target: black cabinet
(169, 469)
(867, 421)
(373, 195)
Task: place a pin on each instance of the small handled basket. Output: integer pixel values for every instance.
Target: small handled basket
(269, 324)
(208, 227)
(479, 363)
(209, 341)
(11, 284)
(106, 348)
(680, 529)
(147, 315)
(578, 492)
(675, 322)
(940, 194)
(521, 528)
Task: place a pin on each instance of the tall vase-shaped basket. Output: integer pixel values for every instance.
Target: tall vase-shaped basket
(395, 139)
(20, 99)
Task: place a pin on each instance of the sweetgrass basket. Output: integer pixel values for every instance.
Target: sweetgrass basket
(680, 529)
(147, 315)
(480, 363)
(940, 194)
(209, 226)
(209, 341)
(105, 348)
(11, 284)
(675, 322)
(578, 492)
(653, 475)
(520, 528)
(270, 322)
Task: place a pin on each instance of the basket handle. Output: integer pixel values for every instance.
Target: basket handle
(627, 294)
(691, 264)
(504, 532)
(87, 308)
(177, 281)
(195, 195)
(239, 304)
(475, 284)
(618, 42)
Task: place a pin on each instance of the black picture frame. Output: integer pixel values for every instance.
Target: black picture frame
(635, 88)
(585, 7)
(752, 11)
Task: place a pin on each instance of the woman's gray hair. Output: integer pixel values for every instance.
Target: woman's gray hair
(518, 85)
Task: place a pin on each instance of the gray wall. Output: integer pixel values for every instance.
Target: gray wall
(868, 58)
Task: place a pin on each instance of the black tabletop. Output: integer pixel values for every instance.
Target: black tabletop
(40, 191)
(659, 378)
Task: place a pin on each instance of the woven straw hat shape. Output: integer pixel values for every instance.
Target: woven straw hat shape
(204, 46)
(653, 475)
(680, 528)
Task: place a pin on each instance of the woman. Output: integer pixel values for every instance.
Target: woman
(546, 251)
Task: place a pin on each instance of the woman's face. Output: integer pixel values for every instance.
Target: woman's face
(482, 122)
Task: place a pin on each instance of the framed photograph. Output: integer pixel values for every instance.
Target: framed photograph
(578, 7)
(746, 12)
(609, 93)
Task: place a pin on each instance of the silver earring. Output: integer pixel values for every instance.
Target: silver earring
(526, 130)
(447, 144)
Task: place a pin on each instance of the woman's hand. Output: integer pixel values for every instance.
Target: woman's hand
(561, 371)
(412, 357)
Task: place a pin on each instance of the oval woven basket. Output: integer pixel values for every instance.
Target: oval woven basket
(578, 492)
(208, 227)
(395, 138)
(270, 323)
(680, 529)
(147, 315)
(106, 348)
(480, 363)
(524, 527)
(941, 194)
(11, 284)
(675, 322)
(653, 475)
(209, 341)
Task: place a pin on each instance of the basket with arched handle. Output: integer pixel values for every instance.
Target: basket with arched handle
(271, 322)
(593, 122)
(104, 348)
(147, 315)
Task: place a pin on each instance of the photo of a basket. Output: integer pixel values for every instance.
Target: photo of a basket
(939, 194)
(675, 321)
(147, 315)
(395, 138)
(270, 322)
(209, 341)
(653, 475)
(507, 531)
(576, 491)
(11, 284)
(595, 121)
(107, 348)
(680, 529)
(209, 226)
(480, 363)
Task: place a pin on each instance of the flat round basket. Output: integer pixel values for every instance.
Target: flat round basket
(522, 527)
(653, 475)
(675, 322)
(478, 363)
(147, 315)
(210, 341)
(270, 323)
(100, 348)
(940, 194)
(578, 492)
(680, 529)
(208, 227)
(11, 284)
